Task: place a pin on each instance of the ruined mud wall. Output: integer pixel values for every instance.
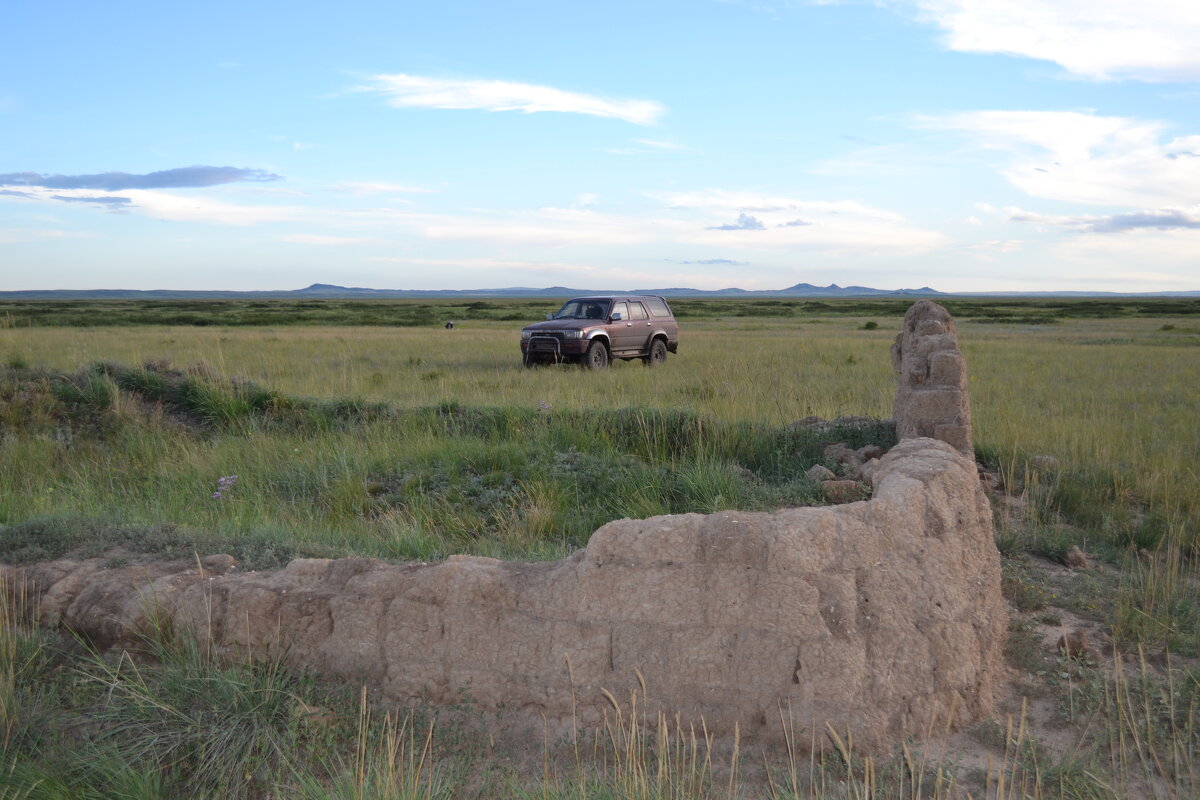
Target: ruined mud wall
(883, 617)
(931, 395)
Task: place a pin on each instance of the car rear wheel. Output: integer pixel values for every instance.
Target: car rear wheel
(657, 355)
(596, 356)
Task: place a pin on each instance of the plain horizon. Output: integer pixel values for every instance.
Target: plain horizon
(1021, 146)
(799, 291)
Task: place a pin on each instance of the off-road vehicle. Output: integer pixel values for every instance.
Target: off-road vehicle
(594, 330)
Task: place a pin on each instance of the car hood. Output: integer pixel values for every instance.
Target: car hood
(563, 324)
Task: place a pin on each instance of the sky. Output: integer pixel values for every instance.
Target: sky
(964, 145)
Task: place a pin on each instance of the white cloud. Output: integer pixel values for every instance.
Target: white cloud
(726, 201)
(1163, 259)
(309, 238)
(369, 188)
(769, 224)
(415, 91)
(1084, 158)
(835, 227)
(1161, 219)
(170, 206)
(563, 272)
(1097, 39)
(997, 246)
(14, 235)
(188, 208)
(696, 218)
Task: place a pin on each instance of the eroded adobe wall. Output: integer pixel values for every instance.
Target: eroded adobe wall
(883, 617)
(931, 394)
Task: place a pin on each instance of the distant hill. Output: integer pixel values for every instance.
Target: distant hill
(329, 291)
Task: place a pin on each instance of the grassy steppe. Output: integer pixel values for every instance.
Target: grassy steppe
(402, 441)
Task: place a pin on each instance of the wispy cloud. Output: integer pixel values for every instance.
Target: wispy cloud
(1096, 39)
(14, 235)
(1085, 158)
(416, 91)
(179, 178)
(1162, 219)
(329, 241)
(745, 222)
(717, 262)
(105, 201)
(374, 187)
(834, 227)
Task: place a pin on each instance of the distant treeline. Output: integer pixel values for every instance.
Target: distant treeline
(413, 313)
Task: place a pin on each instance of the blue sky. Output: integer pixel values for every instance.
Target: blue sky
(966, 146)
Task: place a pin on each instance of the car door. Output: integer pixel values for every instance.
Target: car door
(620, 331)
(639, 326)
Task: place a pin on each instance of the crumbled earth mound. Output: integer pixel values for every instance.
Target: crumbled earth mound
(881, 617)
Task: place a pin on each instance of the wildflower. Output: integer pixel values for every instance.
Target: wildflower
(224, 485)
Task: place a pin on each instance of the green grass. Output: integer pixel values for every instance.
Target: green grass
(138, 463)
(407, 441)
(435, 312)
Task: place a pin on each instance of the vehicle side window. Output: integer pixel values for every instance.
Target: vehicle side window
(619, 308)
(658, 308)
(636, 311)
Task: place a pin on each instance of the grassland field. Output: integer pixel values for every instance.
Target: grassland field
(368, 428)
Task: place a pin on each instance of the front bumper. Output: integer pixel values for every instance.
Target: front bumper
(553, 346)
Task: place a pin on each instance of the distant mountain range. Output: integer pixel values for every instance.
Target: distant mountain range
(327, 291)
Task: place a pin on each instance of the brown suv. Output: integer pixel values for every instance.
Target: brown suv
(594, 330)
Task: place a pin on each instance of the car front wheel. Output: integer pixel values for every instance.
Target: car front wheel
(658, 353)
(596, 356)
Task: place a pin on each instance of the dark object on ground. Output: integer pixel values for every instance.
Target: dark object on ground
(594, 330)
(450, 325)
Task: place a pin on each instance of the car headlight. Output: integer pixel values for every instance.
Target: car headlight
(526, 334)
(572, 334)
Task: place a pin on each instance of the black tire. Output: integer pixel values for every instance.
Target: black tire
(596, 356)
(657, 355)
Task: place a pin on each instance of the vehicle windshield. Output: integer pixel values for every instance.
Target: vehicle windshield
(583, 309)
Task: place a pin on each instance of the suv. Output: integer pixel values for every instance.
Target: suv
(594, 330)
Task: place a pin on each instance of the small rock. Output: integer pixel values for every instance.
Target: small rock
(1076, 645)
(838, 492)
(1076, 558)
(218, 564)
(867, 471)
(870, 451)
(842, 454)
(819, 472)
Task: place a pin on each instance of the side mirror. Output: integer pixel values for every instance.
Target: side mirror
(549, 316)
(616, 317)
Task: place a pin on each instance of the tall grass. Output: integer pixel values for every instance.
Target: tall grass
(366, 478)
(1112, 400)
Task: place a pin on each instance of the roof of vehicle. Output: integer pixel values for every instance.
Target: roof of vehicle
(615, 297)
